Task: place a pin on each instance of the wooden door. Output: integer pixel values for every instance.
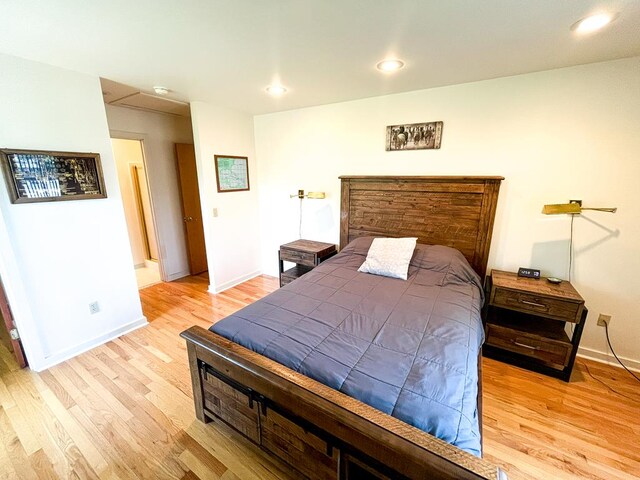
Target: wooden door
(191, 211)
(16, 345)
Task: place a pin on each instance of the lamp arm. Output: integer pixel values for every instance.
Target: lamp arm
(609, 210)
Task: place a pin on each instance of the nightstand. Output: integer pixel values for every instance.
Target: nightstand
(525, 322)
(306, 254)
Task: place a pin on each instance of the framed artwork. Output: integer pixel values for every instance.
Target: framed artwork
(232, 173)
(414, 136)
(42, 176)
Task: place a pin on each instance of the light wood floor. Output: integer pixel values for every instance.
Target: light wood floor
(124, 410)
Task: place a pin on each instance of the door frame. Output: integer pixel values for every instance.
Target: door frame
(135, 177)
(143, 138)
(10, 324)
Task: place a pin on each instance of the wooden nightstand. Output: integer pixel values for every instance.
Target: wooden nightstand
(525, 323)
(306, 254)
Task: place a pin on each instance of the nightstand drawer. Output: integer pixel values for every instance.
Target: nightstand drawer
(545, 306)
(547, 350)
(296, 256)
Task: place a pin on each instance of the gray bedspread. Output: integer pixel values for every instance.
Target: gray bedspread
(408, 348)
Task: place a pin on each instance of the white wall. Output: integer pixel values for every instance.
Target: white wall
(558, 135)
(232, 237)
(160, 133)
(57, 257)
(126, 152)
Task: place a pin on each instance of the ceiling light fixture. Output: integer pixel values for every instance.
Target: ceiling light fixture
(592, 23)
(276, 90)
(161, 90)
(390, 65)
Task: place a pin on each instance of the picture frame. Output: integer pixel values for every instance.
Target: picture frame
(232, 173)
(414, 136)
(45, 176)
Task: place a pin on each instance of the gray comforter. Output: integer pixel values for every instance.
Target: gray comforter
(408, 348)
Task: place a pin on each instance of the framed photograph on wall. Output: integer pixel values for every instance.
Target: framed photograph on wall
(414, 136)
(232, 173)
(43, 176)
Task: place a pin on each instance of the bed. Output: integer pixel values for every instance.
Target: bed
(341, 374)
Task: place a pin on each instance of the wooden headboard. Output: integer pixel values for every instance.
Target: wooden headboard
(453, 211)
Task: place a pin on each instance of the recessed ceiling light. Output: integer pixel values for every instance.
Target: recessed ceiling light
(161, 90)
(276, 90)
(390, 65)
(592, 23)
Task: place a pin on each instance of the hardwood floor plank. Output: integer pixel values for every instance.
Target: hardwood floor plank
(72, 458)
(200, 469)
(43, 467)
(191, 476)
(84, 368)
(112, 431)
(118, 351)
(21, 420)
(12, 454)
(125, 374)
(212, 465)
(229, 475)
(124, 410)
(58, 390)
(106, 447)
(6, 400)
(77, 435)
(239, 455)
(537, 427)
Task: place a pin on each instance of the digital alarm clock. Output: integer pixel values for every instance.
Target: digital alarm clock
(529, 273)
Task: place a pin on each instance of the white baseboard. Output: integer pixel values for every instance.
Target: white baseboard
(227, 285)
(175, 276)
(60, 357)
(608, 358)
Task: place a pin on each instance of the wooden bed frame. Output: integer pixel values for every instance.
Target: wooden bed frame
(319, 431)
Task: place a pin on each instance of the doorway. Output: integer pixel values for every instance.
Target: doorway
(11, 351)
(134, 189)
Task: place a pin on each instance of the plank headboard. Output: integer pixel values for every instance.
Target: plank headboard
(453, 211)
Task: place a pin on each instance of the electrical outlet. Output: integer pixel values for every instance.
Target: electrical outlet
(94, 307)
(579, 202)
(604, 320)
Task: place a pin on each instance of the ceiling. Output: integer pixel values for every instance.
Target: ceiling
(114, 93)
(227, 51)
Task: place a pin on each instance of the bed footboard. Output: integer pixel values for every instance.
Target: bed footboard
(315, 429)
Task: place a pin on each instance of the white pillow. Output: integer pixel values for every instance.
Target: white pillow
(389, 257)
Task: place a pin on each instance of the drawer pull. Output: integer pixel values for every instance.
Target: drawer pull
(533, 304)
(525, 346)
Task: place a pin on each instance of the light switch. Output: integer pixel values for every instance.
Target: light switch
(215, 212)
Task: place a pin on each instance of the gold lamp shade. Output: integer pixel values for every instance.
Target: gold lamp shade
(311, 195)
(571, 208)
(316, 195)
